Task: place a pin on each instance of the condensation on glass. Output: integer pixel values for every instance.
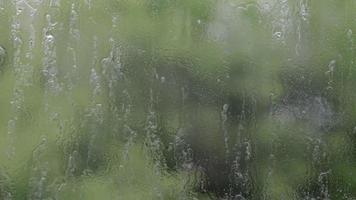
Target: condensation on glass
(184, 99)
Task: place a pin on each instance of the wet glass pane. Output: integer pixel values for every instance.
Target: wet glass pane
(177, 99)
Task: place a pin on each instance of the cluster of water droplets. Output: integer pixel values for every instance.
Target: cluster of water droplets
(22, 30)
(50, 66)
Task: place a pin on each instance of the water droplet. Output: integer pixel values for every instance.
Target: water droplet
(349, 34)
(277, 35)
(332, 64)
(49, 38)
(225, 107)
(2, 55)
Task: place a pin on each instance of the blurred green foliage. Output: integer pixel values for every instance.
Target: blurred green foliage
(177, 99)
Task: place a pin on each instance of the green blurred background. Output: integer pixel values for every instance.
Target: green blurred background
(177, 99)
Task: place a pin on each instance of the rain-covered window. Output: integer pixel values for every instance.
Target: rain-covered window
(177, 99)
